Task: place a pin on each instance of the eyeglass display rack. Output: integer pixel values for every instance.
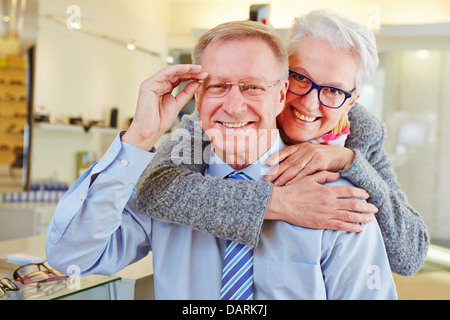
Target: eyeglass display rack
(13, 119)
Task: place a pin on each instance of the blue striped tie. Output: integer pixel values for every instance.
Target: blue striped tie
(237, 276)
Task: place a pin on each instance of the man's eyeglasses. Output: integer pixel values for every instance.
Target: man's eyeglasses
(7, 285)
(215, 89)
(37, 273)
(330, 97)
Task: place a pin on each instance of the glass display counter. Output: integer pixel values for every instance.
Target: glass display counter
(94, 287)
(133, 282)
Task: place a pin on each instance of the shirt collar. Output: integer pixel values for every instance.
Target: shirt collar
(257, 170)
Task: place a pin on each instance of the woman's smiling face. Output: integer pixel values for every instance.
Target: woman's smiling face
(304, 117)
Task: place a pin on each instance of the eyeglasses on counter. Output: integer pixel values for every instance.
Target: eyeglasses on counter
(37, 273)
(7, 285)
(30, 274)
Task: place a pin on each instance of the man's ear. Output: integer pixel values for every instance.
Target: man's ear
(283, 92)
(198, 99)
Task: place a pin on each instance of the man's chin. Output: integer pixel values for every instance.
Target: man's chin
(237, 152)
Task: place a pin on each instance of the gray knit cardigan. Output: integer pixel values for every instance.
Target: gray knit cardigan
(180, 193)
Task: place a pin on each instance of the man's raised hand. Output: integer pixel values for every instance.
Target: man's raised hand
(157, 108)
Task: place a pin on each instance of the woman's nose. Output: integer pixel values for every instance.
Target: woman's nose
(311, 101)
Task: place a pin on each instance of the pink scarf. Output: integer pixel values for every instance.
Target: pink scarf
(335, 139)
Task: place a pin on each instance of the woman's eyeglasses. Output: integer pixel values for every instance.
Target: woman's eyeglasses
(330, 97)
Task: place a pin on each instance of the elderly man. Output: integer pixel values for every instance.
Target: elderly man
(98, 227)
(330, 59)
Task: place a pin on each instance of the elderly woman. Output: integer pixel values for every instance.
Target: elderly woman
(331, 58)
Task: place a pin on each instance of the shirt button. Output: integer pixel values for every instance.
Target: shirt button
(111, 155)
(124, 163)
(82, 197)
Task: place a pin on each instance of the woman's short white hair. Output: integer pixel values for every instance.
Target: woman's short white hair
(341, 33)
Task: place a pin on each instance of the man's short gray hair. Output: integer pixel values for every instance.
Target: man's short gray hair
(341, 33)
(236, 30)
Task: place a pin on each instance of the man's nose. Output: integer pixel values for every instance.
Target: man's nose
(234, 102)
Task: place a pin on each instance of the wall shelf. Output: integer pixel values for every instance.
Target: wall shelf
(74, 128)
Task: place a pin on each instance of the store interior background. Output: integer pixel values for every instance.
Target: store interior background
(88, 71)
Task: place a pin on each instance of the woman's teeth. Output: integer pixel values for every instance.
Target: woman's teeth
(302, 117)
(234, 125)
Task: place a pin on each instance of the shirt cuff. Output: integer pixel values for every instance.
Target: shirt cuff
(130, 162)
(123, 160)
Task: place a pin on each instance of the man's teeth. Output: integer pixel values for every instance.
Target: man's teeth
(302, 117)
(234, 125)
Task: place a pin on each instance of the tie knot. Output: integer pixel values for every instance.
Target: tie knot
(238, 175)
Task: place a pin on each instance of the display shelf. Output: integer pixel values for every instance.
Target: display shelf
(74, 128)
(13, 108)
(52, 157)
(13, 114)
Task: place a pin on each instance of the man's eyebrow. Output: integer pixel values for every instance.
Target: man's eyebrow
(226, 79)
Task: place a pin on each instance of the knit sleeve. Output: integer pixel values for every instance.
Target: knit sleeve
(173, 189)
(404, 232)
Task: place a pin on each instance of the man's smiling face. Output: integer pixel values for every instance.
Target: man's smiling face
(240, 125)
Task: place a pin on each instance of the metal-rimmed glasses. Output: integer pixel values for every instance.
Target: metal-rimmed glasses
(217, 89)
(329, 96)
(7, 285)
(37, 273)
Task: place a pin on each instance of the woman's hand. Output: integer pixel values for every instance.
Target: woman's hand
(310, 204)
(299, 160)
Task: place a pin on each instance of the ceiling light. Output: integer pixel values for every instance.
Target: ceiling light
(423, 54)
(170, 58)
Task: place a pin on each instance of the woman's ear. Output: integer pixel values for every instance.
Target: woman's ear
(354, 98)
(350, 105)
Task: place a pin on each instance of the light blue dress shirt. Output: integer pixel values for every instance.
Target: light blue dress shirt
(97, 227)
